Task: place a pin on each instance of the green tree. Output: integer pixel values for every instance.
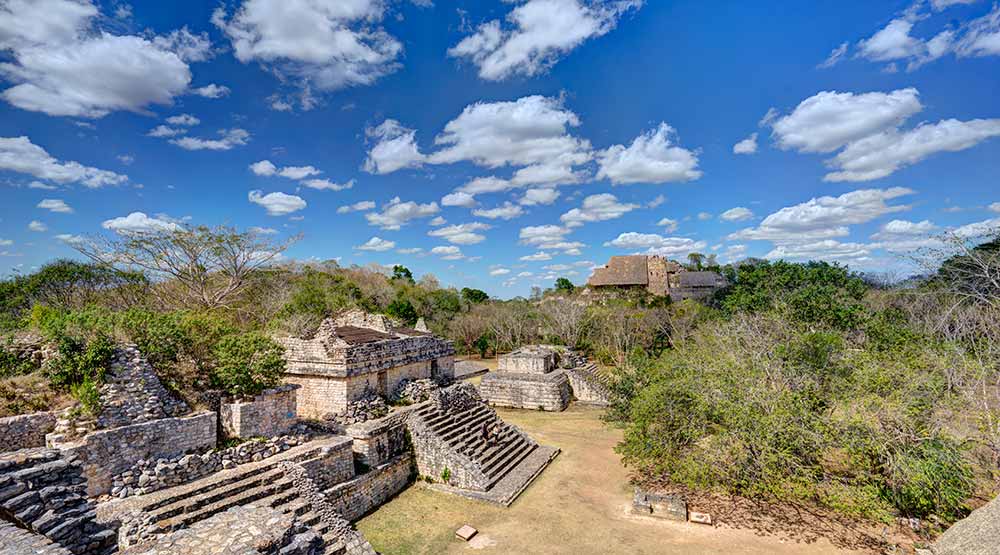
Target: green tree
(402, 309)
(564, 285)
(816, 292)
(248, 363)
(474, 296)
(402, 273)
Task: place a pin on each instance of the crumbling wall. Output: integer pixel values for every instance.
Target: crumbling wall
(587, 387)
(378, 441)
(549, 392)
(44, 493)
(149, 475)
(132, 392)
(105, 453)
(333, 465)
(25, 430)
(272, 413)
(355, 498)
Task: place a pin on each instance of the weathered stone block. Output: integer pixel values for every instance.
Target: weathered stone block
(272, 413)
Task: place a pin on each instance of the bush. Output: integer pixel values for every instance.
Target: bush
(248, 363)
(88, 394)
(79, 361)
(753, 407)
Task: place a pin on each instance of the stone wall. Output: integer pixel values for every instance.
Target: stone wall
(587, 386)
(357, 497)
(25, 430)
(105, 453)
(333, 465)
(383, 355)
(272, 413)
(18, 541)
(550, 392)
(132, 392)
(378, 441)
(149, 475)
(318, 395)
(44, 493)
(532, 359)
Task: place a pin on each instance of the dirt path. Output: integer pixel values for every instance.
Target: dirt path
(579, 505)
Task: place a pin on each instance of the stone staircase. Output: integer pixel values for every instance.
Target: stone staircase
(462, 431)
(590, 384)
(459, 440)
(264, 484)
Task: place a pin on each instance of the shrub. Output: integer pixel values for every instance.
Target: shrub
(248, 363)
(80, 361)
(88, 394)
(13, 364)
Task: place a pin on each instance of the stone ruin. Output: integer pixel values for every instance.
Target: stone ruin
(357, 357)
(148, 474)
(545, 378)
(657, 275)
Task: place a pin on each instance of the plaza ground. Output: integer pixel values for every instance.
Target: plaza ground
(579, 505)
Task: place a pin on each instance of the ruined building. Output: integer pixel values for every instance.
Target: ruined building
(544, 377)
(657, 275)
(357, 355)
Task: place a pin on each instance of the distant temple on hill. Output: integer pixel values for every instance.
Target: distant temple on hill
(656, 275)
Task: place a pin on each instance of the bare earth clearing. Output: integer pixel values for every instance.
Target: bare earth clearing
(579, 505)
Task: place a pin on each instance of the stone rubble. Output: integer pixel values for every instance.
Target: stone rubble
(147, 476)
(131, 393)
(368, 407)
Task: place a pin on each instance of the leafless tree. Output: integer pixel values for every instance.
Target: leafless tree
(566, 318)
(195, 266)
(468, 327)
(513, 324)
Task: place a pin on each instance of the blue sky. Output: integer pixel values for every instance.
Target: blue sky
(500, 145)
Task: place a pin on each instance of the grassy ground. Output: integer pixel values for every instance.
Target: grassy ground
(579, 505)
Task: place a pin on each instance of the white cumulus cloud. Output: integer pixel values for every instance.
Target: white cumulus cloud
(597, 208)
(139, 222)
(277, 204)
(651, 158)
(397, 213)
(537, 34)
(19, 154)
(377, 244)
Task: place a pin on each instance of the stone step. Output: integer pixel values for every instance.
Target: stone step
(243, 497)
(448, 422)
(212, 492)
(502, 455)
(515, 459)
(468, 429)
(210, 484)
(468, 416)
(478, 447)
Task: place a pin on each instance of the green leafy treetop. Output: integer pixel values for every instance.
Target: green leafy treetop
(474, 296)
(402, 273)
(564, 285)
(248, 363)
